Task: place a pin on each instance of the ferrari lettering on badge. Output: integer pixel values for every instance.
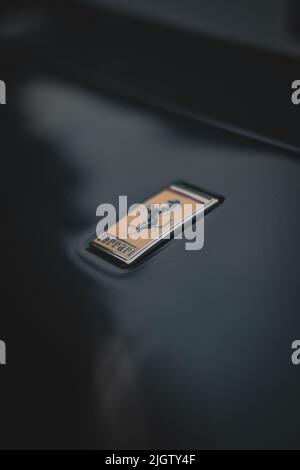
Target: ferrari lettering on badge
(170, 213)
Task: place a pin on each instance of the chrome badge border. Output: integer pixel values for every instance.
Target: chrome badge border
(210, 201)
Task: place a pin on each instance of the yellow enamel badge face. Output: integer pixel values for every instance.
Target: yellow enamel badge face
(157, 219)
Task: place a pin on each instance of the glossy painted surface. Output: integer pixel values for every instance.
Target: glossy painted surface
(192, 350)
